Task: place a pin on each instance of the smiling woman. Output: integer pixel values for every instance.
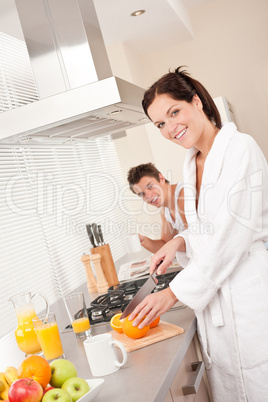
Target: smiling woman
(225, 275)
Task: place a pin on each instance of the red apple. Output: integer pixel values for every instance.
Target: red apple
(25, 390)
(48, 388)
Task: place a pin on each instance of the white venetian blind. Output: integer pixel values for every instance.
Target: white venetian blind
(47, 195)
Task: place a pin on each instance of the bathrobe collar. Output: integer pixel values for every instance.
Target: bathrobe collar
(212, 167)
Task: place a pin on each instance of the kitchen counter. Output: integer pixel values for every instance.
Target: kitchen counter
(148, 373)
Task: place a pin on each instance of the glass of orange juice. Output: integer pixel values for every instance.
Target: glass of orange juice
(48, 336)
(76, 308)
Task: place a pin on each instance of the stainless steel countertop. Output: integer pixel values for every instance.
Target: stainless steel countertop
(148, 373)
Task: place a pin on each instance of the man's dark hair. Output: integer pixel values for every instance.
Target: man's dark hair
(135, 174)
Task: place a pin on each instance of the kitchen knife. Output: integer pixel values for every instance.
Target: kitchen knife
(100, 234)
(96, 233)
(90, 235)
(145, 290)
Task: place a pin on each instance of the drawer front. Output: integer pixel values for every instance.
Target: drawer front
(185, 376)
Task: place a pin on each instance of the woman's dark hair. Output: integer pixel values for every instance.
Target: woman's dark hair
(180, 86)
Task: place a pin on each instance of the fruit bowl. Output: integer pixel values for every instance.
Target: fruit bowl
(95, 385)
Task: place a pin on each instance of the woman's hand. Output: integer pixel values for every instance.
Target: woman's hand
(153, 306)
(163, 258)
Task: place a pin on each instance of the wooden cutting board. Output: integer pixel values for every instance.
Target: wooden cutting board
(163, 330)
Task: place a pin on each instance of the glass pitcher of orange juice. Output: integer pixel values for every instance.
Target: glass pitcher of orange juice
(25, 334)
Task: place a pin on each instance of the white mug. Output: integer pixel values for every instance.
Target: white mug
(101, 355)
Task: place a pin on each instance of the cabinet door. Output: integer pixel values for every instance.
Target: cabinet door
(182, 378)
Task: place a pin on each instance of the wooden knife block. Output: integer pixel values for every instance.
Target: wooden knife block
(107, 263)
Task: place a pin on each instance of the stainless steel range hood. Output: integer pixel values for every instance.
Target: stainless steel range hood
(79, 96)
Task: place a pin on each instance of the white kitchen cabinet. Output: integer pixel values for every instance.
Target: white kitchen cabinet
(184, 376)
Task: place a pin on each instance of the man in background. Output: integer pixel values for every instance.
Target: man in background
(147, 182)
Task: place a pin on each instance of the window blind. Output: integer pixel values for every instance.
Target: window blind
(48, 192)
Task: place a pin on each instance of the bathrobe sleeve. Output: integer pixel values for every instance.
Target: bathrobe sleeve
(232, 214)
(184, 257)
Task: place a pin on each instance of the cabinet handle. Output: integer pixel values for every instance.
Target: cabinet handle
(196, 377)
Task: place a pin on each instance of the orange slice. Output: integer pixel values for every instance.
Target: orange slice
(116, 324)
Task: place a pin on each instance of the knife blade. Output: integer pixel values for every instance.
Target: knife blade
(90, 235)
(100, 234)
(145, 290)
(96, 233)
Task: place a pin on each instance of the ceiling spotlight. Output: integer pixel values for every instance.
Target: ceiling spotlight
(137, 13)
(115, 112)
(24, 139)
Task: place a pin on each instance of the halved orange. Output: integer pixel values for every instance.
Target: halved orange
(155, 322)
(116, 324)
(134, 332)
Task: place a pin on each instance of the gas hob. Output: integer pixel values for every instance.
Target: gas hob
(105, 306)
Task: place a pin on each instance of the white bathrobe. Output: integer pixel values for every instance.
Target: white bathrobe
(225, 279)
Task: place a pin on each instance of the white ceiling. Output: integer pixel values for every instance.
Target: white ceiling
(163, 22)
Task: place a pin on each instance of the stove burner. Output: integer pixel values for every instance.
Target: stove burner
(129, 297)
(130, 287)
(159, 286)
(96, 314)
(113, 299)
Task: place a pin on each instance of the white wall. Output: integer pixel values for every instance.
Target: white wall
(134, 149)
(9, 21)
(229, 55)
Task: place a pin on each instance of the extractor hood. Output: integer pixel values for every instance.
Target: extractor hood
(79, 96)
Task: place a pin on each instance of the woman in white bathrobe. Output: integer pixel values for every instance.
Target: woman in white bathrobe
(225, 276)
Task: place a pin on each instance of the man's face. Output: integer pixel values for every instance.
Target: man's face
(151, 190)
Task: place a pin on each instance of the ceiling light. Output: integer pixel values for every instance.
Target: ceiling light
(137, 13)
(24, 139)
(115, 112)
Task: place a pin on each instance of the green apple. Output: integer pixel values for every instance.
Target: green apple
(61, 370)
(57, 394)
(76, 387)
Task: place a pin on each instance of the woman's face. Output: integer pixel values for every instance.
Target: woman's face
(179, 121)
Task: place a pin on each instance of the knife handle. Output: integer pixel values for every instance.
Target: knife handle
(96, 233)
(100, 234)
(90, 235)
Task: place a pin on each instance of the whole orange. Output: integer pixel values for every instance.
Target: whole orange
(155, 322)
(134, 332)
(37, 368)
